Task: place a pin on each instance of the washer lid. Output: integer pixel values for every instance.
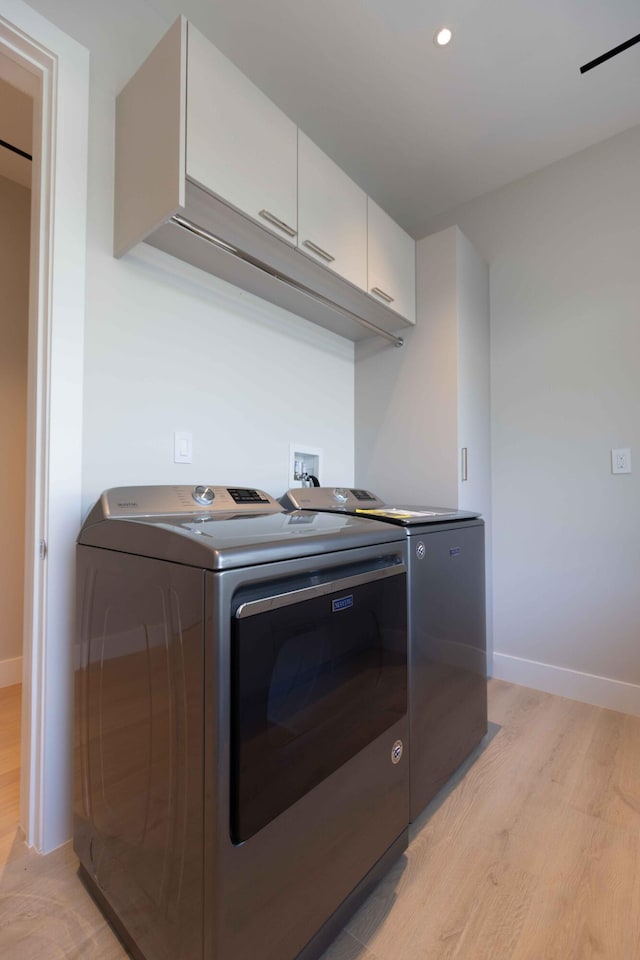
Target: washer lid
(416, 516)
(360, 502)
(224, 540)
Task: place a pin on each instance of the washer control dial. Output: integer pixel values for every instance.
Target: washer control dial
(340, 494)
(203, 495)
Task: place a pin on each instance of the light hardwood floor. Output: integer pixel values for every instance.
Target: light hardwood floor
(532, 854)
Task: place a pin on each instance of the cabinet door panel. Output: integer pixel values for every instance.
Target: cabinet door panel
(239, 144)
(332, 214)
(391, 263)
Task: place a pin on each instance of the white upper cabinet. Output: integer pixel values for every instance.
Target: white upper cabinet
(391, 263)
(332, 214)
(202, 157)
(240, 145)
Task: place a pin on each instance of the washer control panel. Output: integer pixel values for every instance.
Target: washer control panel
(172, 501)
(330, 498)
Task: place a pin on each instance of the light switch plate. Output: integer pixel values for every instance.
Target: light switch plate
(182, 447)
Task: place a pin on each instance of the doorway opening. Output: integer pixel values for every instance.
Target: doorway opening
(17, 92)
(52, 70)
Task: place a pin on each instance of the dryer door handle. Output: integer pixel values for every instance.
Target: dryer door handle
(265, 604)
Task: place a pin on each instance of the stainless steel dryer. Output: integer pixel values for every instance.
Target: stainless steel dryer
(241, 712)
(447, 628)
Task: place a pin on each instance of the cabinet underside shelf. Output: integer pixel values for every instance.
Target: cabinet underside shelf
(218, 239)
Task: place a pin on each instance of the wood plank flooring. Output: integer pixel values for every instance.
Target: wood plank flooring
(531, 853)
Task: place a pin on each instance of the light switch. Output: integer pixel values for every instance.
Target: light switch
(182, 447)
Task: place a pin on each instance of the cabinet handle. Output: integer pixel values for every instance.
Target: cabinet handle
(271, 217)
(380, 293)
(464, 466)
(316, 249)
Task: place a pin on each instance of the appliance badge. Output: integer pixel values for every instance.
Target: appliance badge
(396, 751)
(454, 552)
(420, 550)
(342, 604)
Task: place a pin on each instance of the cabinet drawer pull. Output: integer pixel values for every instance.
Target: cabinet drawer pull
(271, 217)
(316, 249)
(380, 293)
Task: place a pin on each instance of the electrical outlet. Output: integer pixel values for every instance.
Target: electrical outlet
(621, 460)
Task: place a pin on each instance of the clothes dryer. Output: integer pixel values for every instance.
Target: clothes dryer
(241, 716)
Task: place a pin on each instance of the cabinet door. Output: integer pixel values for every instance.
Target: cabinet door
(239, 144)
(332, 214)
(391, 263)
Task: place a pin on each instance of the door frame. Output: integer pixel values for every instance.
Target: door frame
(59, 68)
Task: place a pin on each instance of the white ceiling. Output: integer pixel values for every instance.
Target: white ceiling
(424, 129)
(421, 129)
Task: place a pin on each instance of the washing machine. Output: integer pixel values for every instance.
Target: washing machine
(241, 777)
(447, 627)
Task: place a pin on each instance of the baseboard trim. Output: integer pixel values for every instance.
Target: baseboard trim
(10, 672)
(599, 691)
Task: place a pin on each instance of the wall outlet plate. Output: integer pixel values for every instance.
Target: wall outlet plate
(621, 460)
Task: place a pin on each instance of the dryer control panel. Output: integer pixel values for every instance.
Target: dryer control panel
(176, 501)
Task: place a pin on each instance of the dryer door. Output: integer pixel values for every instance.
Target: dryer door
(319, 670)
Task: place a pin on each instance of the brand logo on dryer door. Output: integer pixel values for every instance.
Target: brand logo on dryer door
(343, 603)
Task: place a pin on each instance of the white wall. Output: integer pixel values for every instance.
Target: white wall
(168, 347)
(563, 245)
(15, 202)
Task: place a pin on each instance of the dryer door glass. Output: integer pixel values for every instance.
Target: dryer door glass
(318, 672)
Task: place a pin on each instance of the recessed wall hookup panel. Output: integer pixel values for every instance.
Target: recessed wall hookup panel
(304, 462)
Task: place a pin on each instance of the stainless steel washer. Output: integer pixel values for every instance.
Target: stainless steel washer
(447, 627)
(241, 715)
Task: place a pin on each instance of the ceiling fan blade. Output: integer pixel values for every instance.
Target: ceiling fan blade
(609, 54)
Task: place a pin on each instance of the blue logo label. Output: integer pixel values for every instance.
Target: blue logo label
(454, 552)
(342, 604)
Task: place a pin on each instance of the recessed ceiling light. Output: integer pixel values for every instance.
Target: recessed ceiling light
(442, 36)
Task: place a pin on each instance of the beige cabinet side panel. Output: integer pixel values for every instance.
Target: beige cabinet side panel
(474, 391)
(406, 401)
(391, 262)
(150, 142)
(332, 214)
